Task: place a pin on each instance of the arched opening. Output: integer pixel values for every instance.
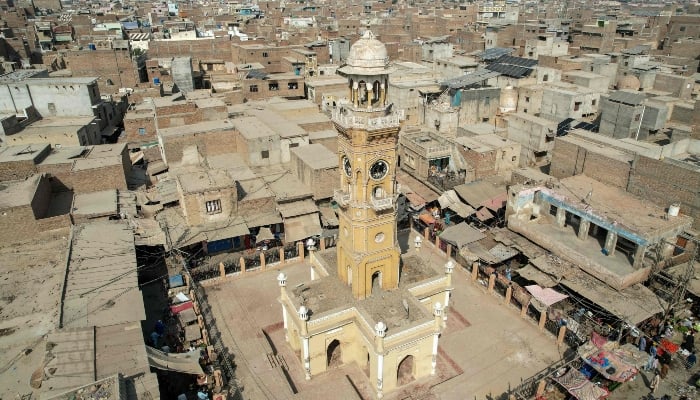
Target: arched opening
(363, 95)
(378, 192)
(376, 281)
(376, 91)
(366, 365)
(333, 354)
(404, 373)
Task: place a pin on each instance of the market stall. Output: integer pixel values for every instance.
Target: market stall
(580, 387)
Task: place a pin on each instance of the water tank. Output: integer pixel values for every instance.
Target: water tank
(156, 81)
(674, 209)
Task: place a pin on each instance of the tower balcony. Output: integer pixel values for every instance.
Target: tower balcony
(367, 118)
(341, 197)
(382, 204)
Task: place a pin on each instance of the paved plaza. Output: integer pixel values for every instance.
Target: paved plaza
(485, 348)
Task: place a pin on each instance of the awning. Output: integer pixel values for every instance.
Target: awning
(547, 296)
(496, 203)
(235, 229)
(579, 386)
(295, 208)
(461, 235)
(301, 227)
(531, 273)
(187, 316)
(187, 363)
(253, 221)
(415, 200)
(449, 199)
(192, 332)
(483, 214)
(328, 217)
(264, 234)
(427, 218)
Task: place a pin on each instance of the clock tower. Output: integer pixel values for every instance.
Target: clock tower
(368, 250)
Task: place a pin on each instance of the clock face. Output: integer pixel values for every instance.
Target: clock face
(379, 170)
(347, 167)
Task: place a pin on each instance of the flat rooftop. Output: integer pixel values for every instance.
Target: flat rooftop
(280, 125)
(316, 156)
(18, 193)
(484, 143)
(200, 127)
(33, 274)
(597, 147)
(253, 128)
(55, 125)
(96, 203)
(30, 152)
(102, 283)
(330, 293)
(206, 180)
(617, 206)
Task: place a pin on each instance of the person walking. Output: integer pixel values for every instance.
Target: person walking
(642, 343)
(655, 381)
(652, 357)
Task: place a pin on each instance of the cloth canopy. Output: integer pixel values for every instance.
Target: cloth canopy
(611, 361)
(547, 296)
(580, 387)
(461, 235)
(264, 234)
(449, 199)
(301, 227)
(187, 363)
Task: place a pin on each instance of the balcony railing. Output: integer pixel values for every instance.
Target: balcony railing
(341, 197)
(382, 204)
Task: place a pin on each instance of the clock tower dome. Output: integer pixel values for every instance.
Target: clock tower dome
(368, 251)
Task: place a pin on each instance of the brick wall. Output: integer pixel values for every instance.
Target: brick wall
(606, 170)
(113, 65)
(18, 224)
(565, 157)
(208, 144)
(219, 48)
(132, 126)
(10, 171)
(664, 182)
(94, 179)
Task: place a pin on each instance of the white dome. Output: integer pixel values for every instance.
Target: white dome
(368, 52)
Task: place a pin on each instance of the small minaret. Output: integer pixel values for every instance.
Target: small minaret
(304, 317)
(437, 312)
(379, 333)
(282, 281)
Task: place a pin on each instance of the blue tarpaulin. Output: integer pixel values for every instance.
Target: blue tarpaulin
(175, 281)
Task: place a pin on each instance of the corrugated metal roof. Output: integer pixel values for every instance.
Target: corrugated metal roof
(519, 61)
(475, 77)
(513, 71)
(494, 53)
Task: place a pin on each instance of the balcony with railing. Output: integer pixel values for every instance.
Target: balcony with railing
(370, 118)
(382, 204)
(341, 197)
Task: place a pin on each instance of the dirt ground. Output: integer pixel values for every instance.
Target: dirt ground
(485, 349)
(30, 294)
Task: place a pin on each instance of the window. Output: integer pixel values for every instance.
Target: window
(593, 102)
(545, 78)
(292, 85)
(636, 117)
(265, 154)
(253, 88)
(527, 99)
(682, 28)
(293, 145)
(142, 131)
(577, 105)
(213, 206)
(274, 86)
(265, 54)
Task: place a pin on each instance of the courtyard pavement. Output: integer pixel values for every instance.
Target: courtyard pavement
(485, 349)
